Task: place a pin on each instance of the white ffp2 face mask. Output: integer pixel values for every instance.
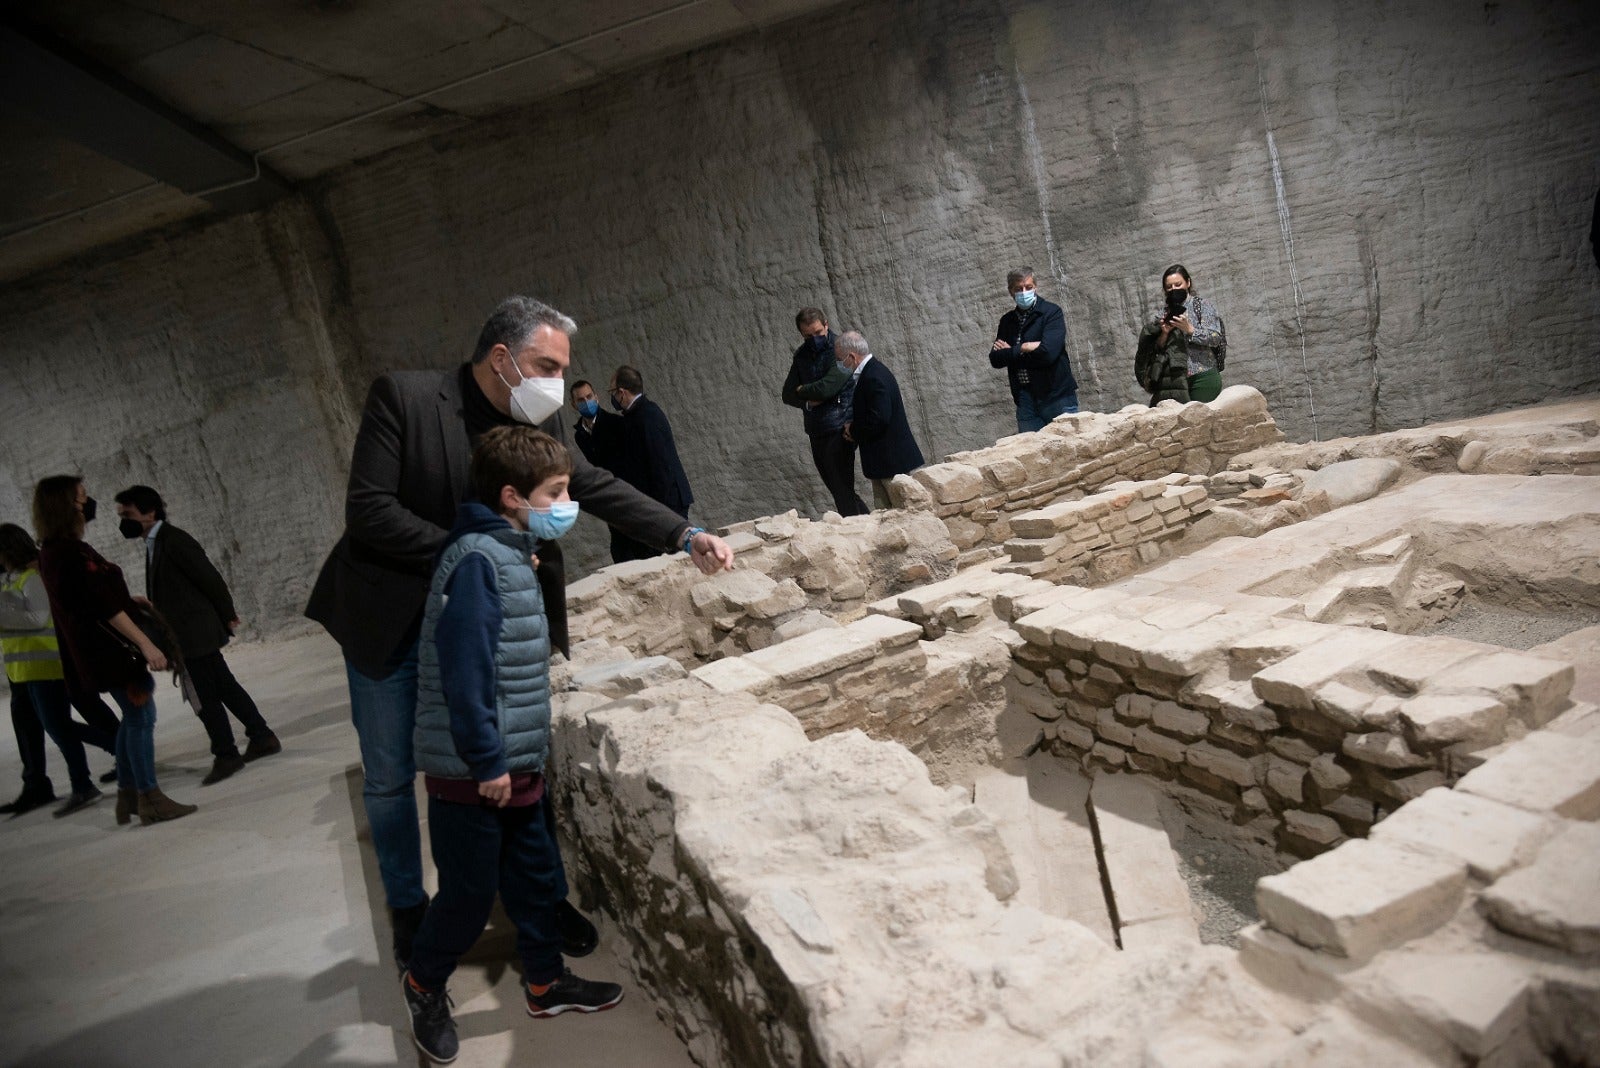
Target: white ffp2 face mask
(533, 400)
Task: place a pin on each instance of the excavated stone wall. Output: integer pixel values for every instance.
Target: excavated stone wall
(1388, 202)
(800, 890)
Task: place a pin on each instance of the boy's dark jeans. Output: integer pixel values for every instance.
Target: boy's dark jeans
(479, 852)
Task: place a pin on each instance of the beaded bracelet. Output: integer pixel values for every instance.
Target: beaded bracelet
(688, 539)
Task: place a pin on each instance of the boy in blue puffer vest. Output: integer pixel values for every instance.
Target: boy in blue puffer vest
(483, 737)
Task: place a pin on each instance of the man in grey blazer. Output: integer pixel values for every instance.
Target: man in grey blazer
(408, 472)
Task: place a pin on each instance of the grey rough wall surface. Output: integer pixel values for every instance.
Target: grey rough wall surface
(200, 366)
(1389, 204)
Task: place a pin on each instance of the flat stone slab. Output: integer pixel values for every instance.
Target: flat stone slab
(1040, 808)
(1491, 838)
(1475, 1001)
(1544, 772)
(1362, 897)
(1146, 886)
(1556, 899)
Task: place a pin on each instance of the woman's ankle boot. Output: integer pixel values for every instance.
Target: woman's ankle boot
(157, 807)
(127, 805)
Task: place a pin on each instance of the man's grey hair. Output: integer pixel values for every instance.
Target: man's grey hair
(851, 341)
(515, 320)
(1018, 276)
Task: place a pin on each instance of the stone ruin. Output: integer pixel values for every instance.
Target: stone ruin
(917, 788)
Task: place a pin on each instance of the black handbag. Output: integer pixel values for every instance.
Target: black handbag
(157, 629)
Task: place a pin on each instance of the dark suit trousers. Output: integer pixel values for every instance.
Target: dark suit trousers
(836, 463)
(219, 690)
(30, 741)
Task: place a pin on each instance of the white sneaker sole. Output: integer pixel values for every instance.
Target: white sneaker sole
(545, 1014)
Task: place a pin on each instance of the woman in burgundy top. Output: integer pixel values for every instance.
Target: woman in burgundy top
(90, 604)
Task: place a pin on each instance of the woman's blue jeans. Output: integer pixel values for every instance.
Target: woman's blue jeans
(136, 738)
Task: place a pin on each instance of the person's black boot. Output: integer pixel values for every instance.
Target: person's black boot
(223, 767)
(432, 1029)
(30, 799)
(578, 935)
(406, 923)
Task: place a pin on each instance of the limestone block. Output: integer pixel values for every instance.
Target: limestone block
(628, 676)
(1361, 897)
(778, 527)
(1007, 473)
(1434, 720)
(1173, 718)
(1349, 807)
(1110, 755)
(1074, 734)
(1312, 826)
(1034, 550)
(734, 675)
(885, 632)
(1285, 778)
(1352, 481)
(1489, 837)
(1543, 772)
(1134, 707)
(813, 656)
(1382, 749)
(1328, 775)
(1344, 706)
(804, 623)
(1292, 683)
(1476, 1001)
(1296, 749)
(1187, 652)
(1153, 743)
(1277, 641)
(950, 483)
(1556, 899)
(1107, 727)
(1406, 668)
(1531, 687)
(731, 591)
(1223, 763)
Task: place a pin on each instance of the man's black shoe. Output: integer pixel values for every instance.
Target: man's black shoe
(406, 923)
(578, 935)
(110, 776)
(29, 800)
(572, 994)
(264, 746)
(432, 1029)
(223, 767)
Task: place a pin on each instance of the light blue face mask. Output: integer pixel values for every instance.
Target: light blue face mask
(550, 525)
(1025, 298)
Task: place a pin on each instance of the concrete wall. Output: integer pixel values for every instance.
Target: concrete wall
(1388, 203)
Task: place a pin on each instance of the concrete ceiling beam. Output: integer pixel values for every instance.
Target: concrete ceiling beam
(99, 109)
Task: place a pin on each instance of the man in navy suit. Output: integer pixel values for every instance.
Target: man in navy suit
(645, 457)
(1031, 344)
(877, 417)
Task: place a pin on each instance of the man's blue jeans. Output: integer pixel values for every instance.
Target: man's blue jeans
(384, 712)
(480, 852)
(1036, 415)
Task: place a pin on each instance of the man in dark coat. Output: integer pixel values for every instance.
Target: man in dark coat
(1031, 344)
(408, 471)
(597, 431)
(185, 587)
(878, 418)
(646, 458)
(822, 389)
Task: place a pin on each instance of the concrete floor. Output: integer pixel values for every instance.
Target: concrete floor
(246, 934)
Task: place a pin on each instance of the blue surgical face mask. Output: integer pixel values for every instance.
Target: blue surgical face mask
(1025, 298)
(552, 524)
(589, 408)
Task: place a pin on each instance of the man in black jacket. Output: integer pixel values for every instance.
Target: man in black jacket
(822, 389)
(877, 418)
(646, 458)
(1031, 344)
(184, 586)
(408, 471)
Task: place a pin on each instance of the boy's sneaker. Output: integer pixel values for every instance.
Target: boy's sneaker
(432, 1029)
(572, 994)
